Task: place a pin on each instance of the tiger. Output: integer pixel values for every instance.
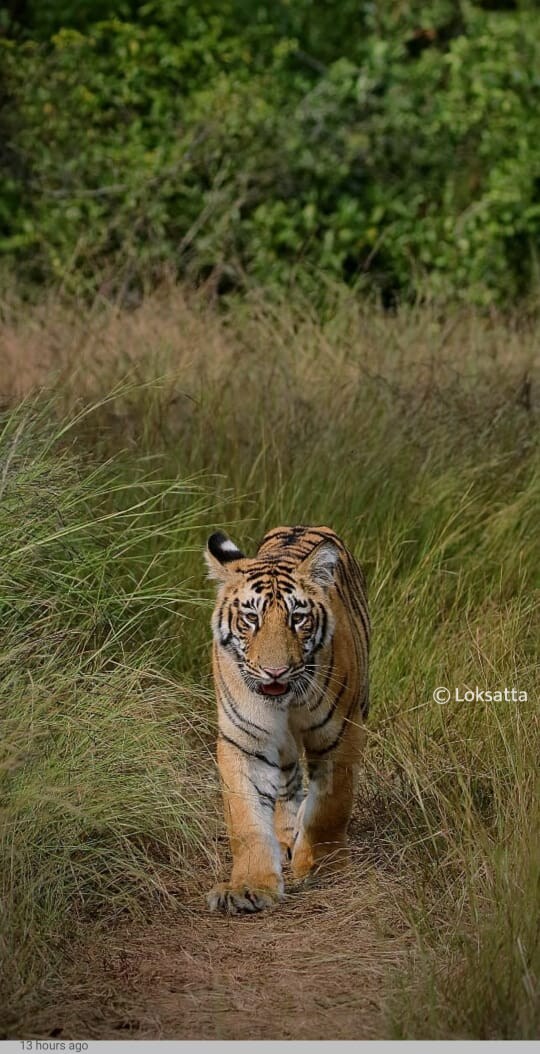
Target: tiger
(291, 638)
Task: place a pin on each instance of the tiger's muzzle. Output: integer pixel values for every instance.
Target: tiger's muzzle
(277, 681)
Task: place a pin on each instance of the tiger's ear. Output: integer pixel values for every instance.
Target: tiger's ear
(321, 563)
(220, 555)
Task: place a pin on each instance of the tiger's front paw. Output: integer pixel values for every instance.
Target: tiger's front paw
(244, 899)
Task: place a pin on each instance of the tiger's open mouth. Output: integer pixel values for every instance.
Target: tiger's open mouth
(274, 688)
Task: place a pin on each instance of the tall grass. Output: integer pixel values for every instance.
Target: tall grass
(101, 803)
(412, 435)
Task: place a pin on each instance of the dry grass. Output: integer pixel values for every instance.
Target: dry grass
(415, 436)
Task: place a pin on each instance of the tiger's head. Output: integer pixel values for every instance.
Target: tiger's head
(273, 616)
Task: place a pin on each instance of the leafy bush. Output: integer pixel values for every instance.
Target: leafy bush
(406, 157)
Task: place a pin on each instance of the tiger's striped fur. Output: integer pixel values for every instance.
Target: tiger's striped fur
(290, 659)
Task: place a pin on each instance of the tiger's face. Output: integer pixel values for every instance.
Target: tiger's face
(272, 617)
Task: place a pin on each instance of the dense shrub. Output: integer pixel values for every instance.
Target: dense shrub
(401, 152)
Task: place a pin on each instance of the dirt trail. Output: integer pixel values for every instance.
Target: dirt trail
(317, 967)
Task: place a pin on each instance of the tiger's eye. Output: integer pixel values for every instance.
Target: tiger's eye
(249, 618)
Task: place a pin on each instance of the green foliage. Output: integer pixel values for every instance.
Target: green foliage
(399, 151)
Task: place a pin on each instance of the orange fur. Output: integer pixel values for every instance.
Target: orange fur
(290, 660)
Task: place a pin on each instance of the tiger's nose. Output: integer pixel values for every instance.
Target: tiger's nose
(275, 672)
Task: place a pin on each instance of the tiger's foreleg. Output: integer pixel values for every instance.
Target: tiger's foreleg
(321, 838)
(250, 789)
(291, 796)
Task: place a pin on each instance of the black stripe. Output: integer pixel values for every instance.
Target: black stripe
(359, 606)
(329, 536)
(326, 682)
(293, 533)
(265, 799)
(283, 573)
(331, 710)
(347, 604)
(291, 792)
(255, 754)
(361, 651)
(324, 620)
(326, 750)
(245, 720)
(352, 590)
(363, 640)
(236, 719)
(292, 785)
(276, 532)
(358, 574)
(301, 548)
(295, 772)
(362, 662)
